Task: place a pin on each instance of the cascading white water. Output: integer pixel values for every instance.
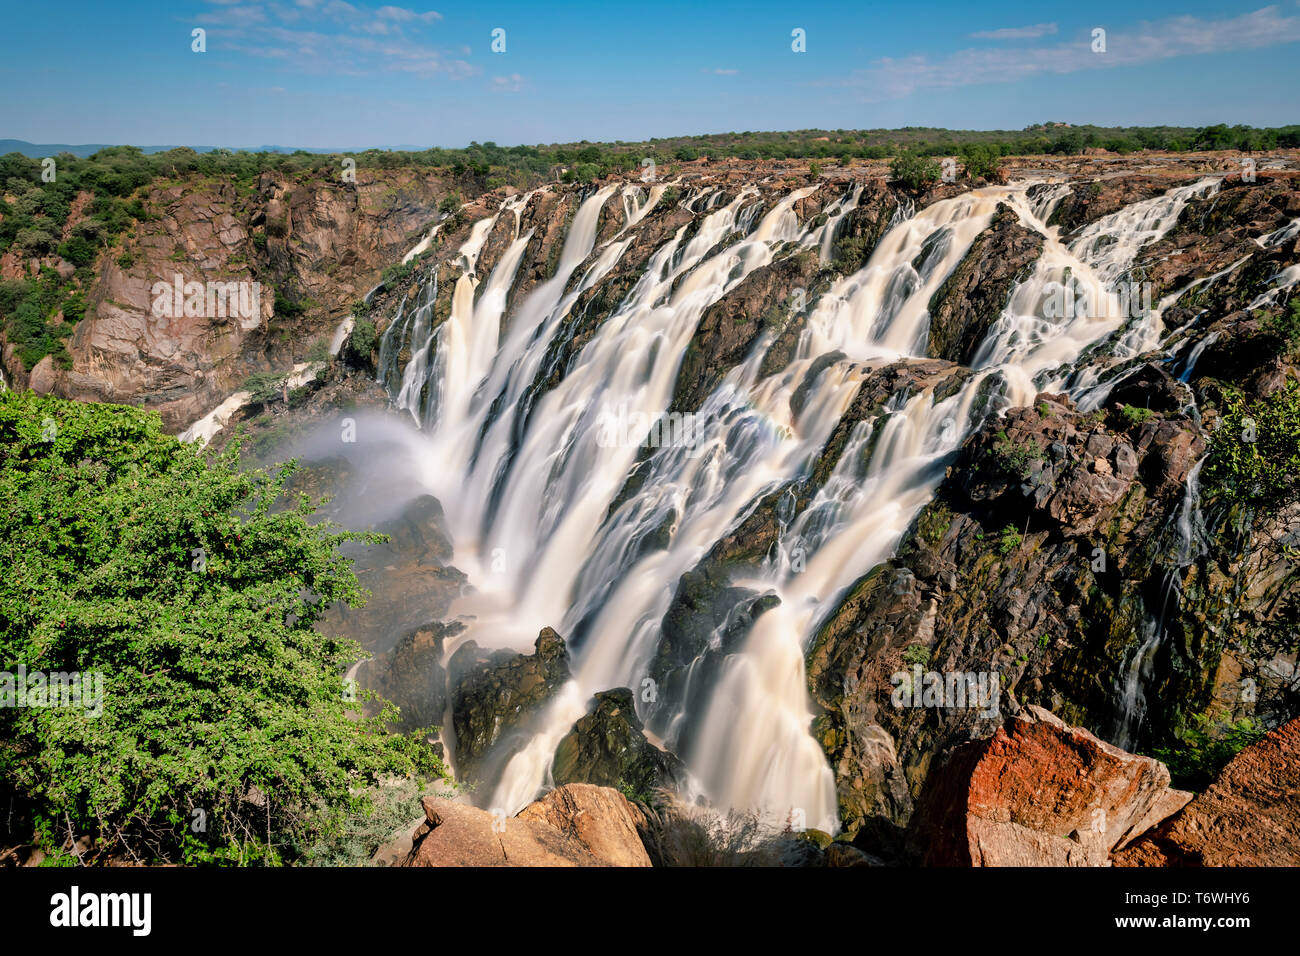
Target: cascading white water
(1189, 544)
(527, 481)
(1028, 343)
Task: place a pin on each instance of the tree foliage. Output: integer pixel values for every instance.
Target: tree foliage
(914, 171)
(1254, 456)
(195, 589)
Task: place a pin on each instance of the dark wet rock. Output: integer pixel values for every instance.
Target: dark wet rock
(727, 331)
(408, 576)
(608, 747)
(863, 226)
(977, 290)
(707, 620)
(709, 615)
(1089, 201)
(840, 854)
(495, 696)
(878, 386)
(1216, 233)
(1150, 386)
(411, 675)
(547, 215)
(1030, 568)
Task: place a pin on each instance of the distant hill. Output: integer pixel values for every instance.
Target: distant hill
(38, 150)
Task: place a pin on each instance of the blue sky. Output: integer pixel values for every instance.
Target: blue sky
(329, 73)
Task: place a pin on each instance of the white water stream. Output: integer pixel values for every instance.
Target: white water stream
(527, 483)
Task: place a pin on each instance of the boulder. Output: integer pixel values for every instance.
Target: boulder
(411, 675)
(409, 576)
(846, 854)
(608, 747)
(604, 821)
(1037, 793)
(495, 696)
(1250, 815)
(576, 825)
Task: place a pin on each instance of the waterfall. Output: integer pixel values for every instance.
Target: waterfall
(1135, 673)
(527, 477)
(1189, 544)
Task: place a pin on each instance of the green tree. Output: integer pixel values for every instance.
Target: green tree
(981, 160)
(193, 589)
(914, 171)
(1284, 328)
(1254, 456)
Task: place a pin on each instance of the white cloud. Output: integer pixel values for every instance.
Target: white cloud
(508, 84)
(1017, 33)
(402, 15)
(323, 37)
(340, 10)
(233, 14)
(1149, 42)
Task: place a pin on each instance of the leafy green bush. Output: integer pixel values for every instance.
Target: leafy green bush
(916, 654)
(264, 387)
(914, 171)
(851, 253)
(981, 160)
(78, 250)
(131, 557)
(29, 307)
(1008, 540)
(1016, 458)
(361, 343)
(393, 276)
(287, 306)
(1284, 327)
(396, 805)
(319, 351)
(1132, 415)
(582, 173)
(1203, 748)
(1254, 455)
(933, 524)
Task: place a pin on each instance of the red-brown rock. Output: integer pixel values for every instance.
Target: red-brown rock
(574, 825)
(1250, 815)
(1037, 793)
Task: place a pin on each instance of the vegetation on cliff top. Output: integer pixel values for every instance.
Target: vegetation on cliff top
(37, 313)
(223, 729)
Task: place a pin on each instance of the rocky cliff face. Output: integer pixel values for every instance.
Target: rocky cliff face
(1064, 555)
(313, 247)
(1058, 556)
